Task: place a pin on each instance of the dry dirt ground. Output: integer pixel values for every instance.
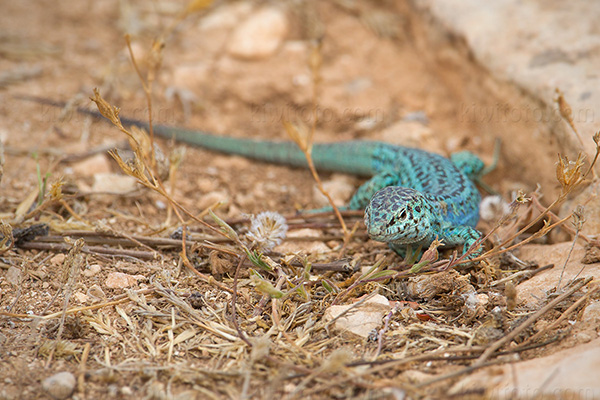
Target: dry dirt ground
(138, 322)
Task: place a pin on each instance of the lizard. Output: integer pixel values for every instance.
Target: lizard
(412, 196)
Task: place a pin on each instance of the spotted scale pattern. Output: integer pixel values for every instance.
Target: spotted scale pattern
(430, 198)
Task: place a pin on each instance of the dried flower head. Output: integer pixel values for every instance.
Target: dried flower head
(579, 217)
(568, 172)
(431, 254)
(268, 229)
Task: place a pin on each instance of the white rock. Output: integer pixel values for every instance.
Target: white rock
(60, 386)
(534, 61)
(592, 313)
(210, 199)
(492, 208)
(362, 319)
(114, 183)
(570, 373)
(81, 297)
(260, 35)
(290, 246)
(225, 16)
(340, 188)
(96, 294)
(206, 184)
(58, 259)
(14, 275)
(191, 75)
(411, 134)
(120, 280)
(536, 288)
(92, 165)
(93, 269)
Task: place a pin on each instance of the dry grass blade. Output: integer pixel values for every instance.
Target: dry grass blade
(303, 136)
(529, 321)
(576, 305)
(566, 112)
(7, 242)
(71, 267)
(247, 318)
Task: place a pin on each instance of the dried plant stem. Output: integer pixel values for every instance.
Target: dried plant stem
(313, 171)
(137, 171)
(147, 86)
(38, 245)
(501, 247)
(118, 300)
(206, 278)
(525, 274)
(536, 235)
(528, 322)
(305, 141)
(113, 232)
(71, 267)
(566, 112)
(82, 369)
(70, 210)
(562, 271)
(381, 333)
(458, 373)
(596, 139)
(560, 319)
(555, 217)
(241, 333)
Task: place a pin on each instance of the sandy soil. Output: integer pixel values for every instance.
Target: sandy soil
(376, 84)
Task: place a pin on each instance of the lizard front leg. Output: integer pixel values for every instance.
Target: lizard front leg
(364, 193)
(462, 234)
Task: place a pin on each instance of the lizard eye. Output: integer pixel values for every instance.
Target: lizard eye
(402, 215)
(399, 217)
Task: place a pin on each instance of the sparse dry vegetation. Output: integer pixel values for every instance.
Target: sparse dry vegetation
(215, 312)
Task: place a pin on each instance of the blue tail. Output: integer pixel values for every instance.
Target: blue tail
(349, 157)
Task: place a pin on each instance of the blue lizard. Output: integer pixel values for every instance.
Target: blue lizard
(411, 198)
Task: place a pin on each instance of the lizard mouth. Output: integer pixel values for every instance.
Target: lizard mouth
(380, 235)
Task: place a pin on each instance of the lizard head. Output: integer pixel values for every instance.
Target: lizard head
(400, 215)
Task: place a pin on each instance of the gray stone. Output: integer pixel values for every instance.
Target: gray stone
(570, 373)
(60, 386)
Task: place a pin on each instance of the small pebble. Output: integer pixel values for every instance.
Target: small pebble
(114, 183)
(13, 275)
(120, 280)
(60, 386)
(93, 165)
(126, 391)
(260, 35)
(57, 259)
(94, 269)
(340, 188)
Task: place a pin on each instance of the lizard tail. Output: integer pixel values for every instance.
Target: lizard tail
(350, 157)
(347, 157)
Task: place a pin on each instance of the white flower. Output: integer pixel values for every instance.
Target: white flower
(268, 229)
